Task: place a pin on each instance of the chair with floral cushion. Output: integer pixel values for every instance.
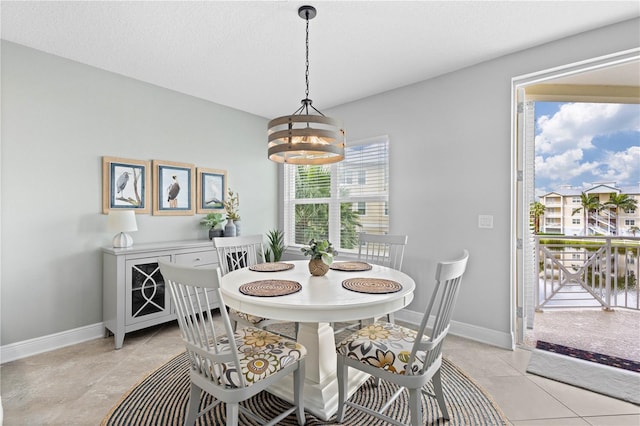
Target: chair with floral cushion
(230, 369)
(403, 356)
(236, 253)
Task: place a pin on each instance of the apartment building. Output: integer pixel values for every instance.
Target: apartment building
(560, 205)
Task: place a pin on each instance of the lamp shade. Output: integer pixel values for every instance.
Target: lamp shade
(122, 221)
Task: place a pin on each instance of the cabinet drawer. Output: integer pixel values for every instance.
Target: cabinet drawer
(198, 258)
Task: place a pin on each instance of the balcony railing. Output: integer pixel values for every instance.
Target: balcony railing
(587, 271)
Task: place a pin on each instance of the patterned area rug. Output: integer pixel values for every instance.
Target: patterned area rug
(162, 398)
(589, 356)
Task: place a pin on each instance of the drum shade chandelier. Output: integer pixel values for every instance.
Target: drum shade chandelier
(304, 137)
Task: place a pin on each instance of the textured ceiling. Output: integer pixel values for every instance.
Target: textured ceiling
(250, 55)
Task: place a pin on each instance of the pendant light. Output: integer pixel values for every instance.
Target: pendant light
(307, 136)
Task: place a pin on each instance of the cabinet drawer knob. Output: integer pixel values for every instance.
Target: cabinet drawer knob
(197, 259)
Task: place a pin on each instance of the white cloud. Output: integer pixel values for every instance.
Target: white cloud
(621, 166)
(576, 124)
(564, 166)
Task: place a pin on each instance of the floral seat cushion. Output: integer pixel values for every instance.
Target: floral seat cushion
(261, 354)
(252, 319)
(383, 345)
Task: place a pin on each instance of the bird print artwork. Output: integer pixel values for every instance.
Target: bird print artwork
(172, 192)
(121, 183)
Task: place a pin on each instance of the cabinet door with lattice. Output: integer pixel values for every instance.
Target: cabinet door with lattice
(146, 296)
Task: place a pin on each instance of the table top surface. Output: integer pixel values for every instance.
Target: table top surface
(321, 299)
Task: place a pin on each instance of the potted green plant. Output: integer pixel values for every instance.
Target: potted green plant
(275, 239)
(322, 254)
(213, 221)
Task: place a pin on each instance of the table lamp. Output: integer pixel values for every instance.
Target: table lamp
(122, 221)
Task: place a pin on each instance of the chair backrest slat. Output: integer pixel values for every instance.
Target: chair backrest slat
(238, 252)
(195, 293)
(441, 306)
(385, 250)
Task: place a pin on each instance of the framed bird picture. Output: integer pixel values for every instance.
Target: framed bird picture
(173, 188)
(211, 190)
(125, 185)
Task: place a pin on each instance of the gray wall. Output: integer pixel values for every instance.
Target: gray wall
(450, 161)
(58, 119)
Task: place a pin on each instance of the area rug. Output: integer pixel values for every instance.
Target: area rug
(162, 397)
(605, 374)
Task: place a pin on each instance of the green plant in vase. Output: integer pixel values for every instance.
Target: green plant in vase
(231, 207)
(275, 239)
(322, 254)
(213, 221)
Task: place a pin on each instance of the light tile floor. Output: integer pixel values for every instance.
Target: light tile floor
(79, 384)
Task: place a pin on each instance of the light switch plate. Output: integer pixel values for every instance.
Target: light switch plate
(485, 221)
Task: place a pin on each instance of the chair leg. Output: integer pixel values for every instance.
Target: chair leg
(232, 414)
(298, 389)
(296, 329)
(391, 318)
(342, 372)
(415, 406)
(194, 404)
(437, 387)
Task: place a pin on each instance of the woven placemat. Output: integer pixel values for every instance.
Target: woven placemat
(270, 288)
(371, 285)
(350, 266)
(271, 267)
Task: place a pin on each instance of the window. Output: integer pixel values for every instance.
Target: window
(575, 221)
(576, 200)
(629, 222)
(336, 201)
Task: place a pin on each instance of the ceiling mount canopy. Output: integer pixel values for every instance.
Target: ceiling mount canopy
(306, 137)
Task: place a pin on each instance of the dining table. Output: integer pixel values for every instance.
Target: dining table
(349, 291)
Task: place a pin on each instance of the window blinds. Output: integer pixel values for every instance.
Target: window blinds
(337, 201)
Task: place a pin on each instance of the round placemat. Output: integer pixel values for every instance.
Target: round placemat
(270, 288)
(271, 267)
(371, 285)
(350, 266)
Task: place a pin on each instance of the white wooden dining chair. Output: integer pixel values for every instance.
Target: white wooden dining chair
(230, 369)
(384, 250)
(236, 253)
(403, 356)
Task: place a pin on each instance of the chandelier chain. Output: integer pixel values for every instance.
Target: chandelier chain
(306, 75)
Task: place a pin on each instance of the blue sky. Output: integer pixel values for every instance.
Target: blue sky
(581, 143)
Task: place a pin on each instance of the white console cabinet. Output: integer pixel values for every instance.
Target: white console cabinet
(133, 290)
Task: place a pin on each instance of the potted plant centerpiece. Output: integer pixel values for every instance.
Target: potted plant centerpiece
(213, 221)
(322, 253)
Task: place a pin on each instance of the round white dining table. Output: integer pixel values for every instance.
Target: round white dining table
(319, 302)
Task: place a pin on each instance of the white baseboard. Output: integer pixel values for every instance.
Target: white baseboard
(461, 329)
(18, 350)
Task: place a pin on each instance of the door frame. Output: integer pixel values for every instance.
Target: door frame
(521, 193)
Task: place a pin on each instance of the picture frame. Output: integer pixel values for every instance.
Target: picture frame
(211, 190)
(125, 185)
(173, 188)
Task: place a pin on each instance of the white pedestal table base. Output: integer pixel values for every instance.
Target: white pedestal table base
(321, 383)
